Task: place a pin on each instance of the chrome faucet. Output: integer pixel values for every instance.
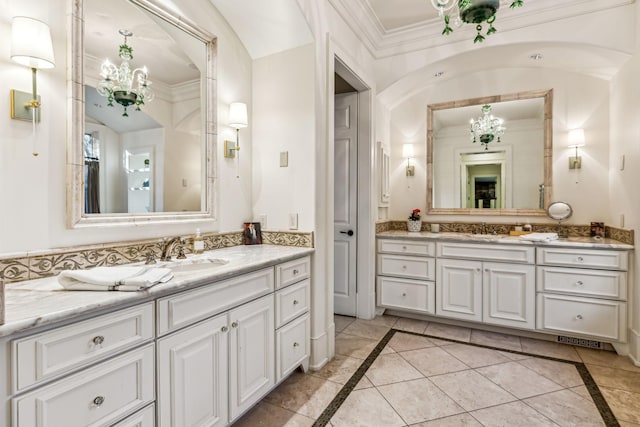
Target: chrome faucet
(168, 248)
(484, 228)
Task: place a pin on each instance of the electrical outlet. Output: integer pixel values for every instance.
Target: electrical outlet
(293, 221)
(262, 218)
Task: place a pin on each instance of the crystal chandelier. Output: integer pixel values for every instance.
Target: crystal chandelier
(486, 128)
(470, 12)
(125, 86)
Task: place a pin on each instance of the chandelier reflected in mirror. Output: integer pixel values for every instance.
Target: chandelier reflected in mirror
(486, 128)
(458, 12)
(122, 84)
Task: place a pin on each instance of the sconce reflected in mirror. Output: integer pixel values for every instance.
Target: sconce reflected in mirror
(407, 151)
(576, 140)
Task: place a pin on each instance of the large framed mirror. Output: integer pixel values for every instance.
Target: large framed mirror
(147, 156)
(510, 174)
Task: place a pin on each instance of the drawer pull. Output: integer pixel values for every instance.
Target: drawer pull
(404, 267)
(224, 329)
(234, 325)
(404, 248)
(579, 259)
(98, 339)
(404, 294)
(295, 344)
(295, 302)
(295, 271)
(579, 283)
(99, 400)
(579, 317)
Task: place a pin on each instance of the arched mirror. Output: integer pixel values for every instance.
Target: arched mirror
(143, 155)
(507, 172)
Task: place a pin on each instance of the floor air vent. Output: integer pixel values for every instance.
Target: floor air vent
(579, 341)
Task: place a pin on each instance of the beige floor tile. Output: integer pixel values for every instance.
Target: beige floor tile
(305, 394)
(433, 361)
(624, 404)
(363, 383)
(448, 331)
(475, 357)
(581, 391)
(411, 325)
(513, 414)
(404, 342)
(615, 378)
(366, 408)
(339, 369)
(549, 348)
(364, 329)
(462, 420)
(564, 374)
(342, 322)
(267, 415)
(627, 424)
(566, 408)
(354, 346)
(495, 339)
(609, 359)
(419, 400)
(391, 368)
(520, 381)
(471, 390)
(384, 320)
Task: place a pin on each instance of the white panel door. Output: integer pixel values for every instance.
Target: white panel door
(345, 203)
(252, 353)
(509, 294)
(192, 375)
(459, 289)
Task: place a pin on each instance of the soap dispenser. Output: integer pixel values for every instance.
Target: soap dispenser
(198, 242)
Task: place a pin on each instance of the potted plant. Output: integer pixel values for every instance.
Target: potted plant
(414, 223)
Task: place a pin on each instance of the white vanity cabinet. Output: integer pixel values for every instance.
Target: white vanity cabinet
(582, 292)
(406, 275)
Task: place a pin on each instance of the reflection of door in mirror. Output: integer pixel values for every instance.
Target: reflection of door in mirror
(484, 177)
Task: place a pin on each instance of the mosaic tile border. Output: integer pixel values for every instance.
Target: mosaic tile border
(619, 234)
(606, 413)
(50, 263)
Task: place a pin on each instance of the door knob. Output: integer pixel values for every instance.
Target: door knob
(349, 233)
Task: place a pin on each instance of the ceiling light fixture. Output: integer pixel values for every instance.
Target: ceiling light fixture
(470, 12)
(486, 128)
(125, 86)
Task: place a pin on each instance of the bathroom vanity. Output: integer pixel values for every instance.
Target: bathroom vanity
(200, 349)
(575, 287)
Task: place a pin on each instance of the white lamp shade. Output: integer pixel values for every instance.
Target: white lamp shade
(576, 138)
(31, 43)
(407, 150)
(238, 115)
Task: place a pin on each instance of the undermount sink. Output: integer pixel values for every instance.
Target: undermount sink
(194, 264)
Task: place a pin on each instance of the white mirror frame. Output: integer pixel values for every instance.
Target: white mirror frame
(76, 217)
(548, 152)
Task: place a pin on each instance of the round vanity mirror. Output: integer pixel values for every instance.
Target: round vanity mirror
(559, 211)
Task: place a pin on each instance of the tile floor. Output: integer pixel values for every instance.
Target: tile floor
(464, 385)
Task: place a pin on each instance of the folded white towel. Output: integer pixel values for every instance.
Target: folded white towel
(540, 237)
(116, 278)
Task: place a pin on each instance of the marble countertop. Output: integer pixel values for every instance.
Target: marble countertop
(572, 242)
(35, 303)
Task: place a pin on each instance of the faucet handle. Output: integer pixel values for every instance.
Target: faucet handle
(181, 254)
(151, 258)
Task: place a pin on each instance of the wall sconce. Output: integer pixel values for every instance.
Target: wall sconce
(576, 140)
(30, 46)
(407, 151)
(237, 120)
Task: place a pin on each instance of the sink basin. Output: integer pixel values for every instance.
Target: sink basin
(194, 264)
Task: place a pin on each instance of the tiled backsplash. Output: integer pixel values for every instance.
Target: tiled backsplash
(52, 262)
(624, 236)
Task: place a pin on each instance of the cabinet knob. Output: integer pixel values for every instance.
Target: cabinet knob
(295, 272)
(404, 248)
(404, 267)
(579, 317)
(98, 339)
(224, 329)
(295, 302)
(99, 400)
(580, 259)
(404, 294)
(295, 344)
(579, 283)
(478, 270)
(234, 325)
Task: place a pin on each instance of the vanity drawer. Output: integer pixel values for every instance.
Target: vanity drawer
(407, 266)
(599, 318)
(292, 346)
(595, 283)
(406, 294)
(594, 258)
(486, 252)
(144, 418)
(48, 354)
(407, 247)
(292, 301)
(188, 307)
(97, 397)
(293, 271)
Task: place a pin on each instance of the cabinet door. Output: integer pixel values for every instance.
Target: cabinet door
(252, 353)
(192, 375)
(459, 289)
(509, 294)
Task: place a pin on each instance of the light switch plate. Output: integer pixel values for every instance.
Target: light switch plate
(284, 159)
(293, 221)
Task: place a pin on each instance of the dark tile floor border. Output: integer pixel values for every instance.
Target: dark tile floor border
(331, 409)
